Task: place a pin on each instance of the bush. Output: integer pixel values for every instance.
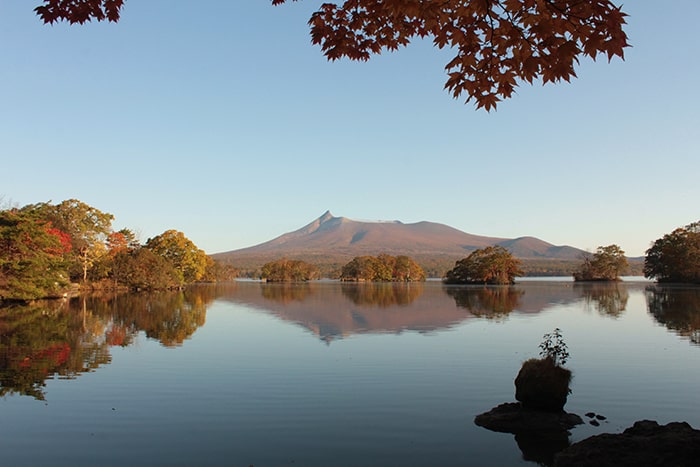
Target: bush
(543, 384)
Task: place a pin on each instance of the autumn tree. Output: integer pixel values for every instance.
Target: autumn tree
(490, 265)
(32, 263)
(188, 260)
(407, 270)
(217, 271)
(676, 256)
(87, 227)
(608, 263)
(288, 270)
(498, 44)
(143, 269)
(106, 267)
(382, 268)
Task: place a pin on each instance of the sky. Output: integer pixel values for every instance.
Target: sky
(219, 119)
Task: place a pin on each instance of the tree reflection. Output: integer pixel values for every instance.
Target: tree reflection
(382, 294)
(47, 339)
(677, 308)
(494, 302)
(65, 338)
(286, 292)
(608, 298)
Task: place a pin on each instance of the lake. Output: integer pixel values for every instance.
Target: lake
(331, 374)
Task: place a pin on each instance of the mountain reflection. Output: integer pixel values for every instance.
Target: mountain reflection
(64, 338)
(677, 308)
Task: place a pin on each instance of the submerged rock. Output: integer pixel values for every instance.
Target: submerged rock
(513, 417)
(540, 434)
(646, 443)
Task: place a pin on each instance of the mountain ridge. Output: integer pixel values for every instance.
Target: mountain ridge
(335, 240)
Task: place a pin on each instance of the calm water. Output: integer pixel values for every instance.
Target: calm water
(330, 374)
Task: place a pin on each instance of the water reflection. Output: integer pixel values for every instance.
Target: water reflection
(542, 447)
(64, 338)
(382, 294)
(492, 302)
(677, 308)
(286, 292)
(608, 298)
(333, 310)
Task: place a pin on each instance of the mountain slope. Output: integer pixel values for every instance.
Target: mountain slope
(339, 239)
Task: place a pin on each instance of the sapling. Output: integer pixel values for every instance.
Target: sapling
(554, 348)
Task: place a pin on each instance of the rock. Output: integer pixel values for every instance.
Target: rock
(542, 385)
(646, 443)
(513, 417)
(539, 434)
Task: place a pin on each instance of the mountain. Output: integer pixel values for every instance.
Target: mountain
(332, 241)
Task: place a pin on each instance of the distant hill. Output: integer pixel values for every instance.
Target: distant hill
(330, 242)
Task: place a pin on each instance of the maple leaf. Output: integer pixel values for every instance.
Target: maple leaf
(498, 43)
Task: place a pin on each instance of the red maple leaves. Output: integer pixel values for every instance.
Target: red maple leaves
(79, 11)
(497, 43)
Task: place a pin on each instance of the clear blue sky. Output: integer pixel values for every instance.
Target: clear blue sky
(218, 118)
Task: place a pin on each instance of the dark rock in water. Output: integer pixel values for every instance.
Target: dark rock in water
(600, 417)
(539, 434)
(645, 444)
(590, 414)
(542, 385)
(542, 447)
(594, 422)
(513, 417)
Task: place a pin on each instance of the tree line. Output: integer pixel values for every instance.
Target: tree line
(673, 258)
(48, 249)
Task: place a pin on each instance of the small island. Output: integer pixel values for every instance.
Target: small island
(607, 264)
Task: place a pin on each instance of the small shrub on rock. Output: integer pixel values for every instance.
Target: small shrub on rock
(543, 383)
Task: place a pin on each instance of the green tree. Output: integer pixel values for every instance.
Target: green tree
(286, 270)
(188, 260)
(608, 263)
(32, 261)
(118, 242)
(490, 265)
(143, 269)
(87, 227)
(676, 256)
(498, 43)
